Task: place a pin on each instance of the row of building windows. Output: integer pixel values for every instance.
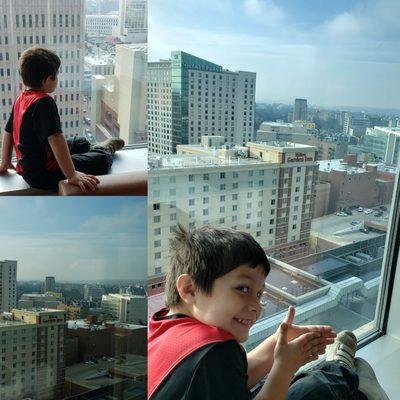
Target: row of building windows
(37, 21)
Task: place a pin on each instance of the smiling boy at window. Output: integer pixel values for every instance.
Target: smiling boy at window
(214, 289)
(44, 156)
(213, 292)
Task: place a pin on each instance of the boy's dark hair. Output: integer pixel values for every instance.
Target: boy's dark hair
(208, 253)
(36, 64)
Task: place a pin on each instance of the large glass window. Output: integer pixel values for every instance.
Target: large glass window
(102, 86)
(324, 143)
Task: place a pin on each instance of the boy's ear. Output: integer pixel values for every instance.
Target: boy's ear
(186, 288)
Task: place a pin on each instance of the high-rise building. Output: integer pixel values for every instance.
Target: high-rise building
(355, 124)
(125, 307)
(300, 110)
(55, 24)
(119, 100)
(189, 97)
(282, 131)
(36, 300)
(101, 25)
(33, 355)
(132, 27)
(50, 284)
(92, 292)
(384, 144)
(264, 189)
(8, 285)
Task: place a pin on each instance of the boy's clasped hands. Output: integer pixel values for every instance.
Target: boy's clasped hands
(297, 345)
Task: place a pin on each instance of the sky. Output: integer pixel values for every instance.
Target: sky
(75, 238)
(332, 52)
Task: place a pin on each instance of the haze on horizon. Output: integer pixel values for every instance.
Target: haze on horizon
(75, 238)
(333, 53)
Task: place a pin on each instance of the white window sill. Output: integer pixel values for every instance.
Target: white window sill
(129, 160)
(384, 356)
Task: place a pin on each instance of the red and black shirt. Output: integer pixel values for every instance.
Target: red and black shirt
(189, 360)
(33, 119)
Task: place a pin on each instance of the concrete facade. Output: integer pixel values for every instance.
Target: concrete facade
(264, 189)
(119, 101)
(8, 285)
(58, 25)
(190, 97)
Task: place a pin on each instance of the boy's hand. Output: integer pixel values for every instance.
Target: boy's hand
(289, 356)
(84, 181)
(294, 331)
(4, 167)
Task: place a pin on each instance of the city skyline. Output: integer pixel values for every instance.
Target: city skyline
(79, 239)
(326, 56)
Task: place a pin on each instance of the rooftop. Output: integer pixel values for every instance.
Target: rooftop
(382, 130)
(179, 161)
(283, 145)
(281, 124)
(83, 324)
(97, 375)
(331, 227)
(338, 165)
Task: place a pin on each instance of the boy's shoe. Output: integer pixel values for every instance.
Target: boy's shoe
(111, 145)
(343, 349)
(369, 384)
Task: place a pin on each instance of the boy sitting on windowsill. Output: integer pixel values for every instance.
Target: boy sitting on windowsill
(214, 288)
(44, 156)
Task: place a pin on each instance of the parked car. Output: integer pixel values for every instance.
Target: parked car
(378, 214)
(367, 211)
(360, 209)
(383, 208)
(354, 222)
(341, 214)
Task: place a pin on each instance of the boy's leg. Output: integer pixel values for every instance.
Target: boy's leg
(78, 145)
(93, 162)
(330, 381)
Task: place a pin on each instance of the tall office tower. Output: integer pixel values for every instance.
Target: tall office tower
(264, 189)
(355, 124)
(92, 292)
(132, 26)
(8, 285)
(300, 110)
(100, 25)
(32, 353)
(125, 307)
(189, 97)
(50, 284)
(55, 24)
(119, 100)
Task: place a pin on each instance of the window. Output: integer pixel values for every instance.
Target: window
(268, 181)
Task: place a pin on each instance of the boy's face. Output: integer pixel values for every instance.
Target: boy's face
(234, 303)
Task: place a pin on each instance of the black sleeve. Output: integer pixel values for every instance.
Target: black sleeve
(10, 123)
(221, 374)
(46, 118)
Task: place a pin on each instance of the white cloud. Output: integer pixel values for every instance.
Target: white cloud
(264, 11)
(327, 62)
(128, 218)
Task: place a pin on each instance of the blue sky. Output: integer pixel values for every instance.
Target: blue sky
(75, 238)
(332, 52)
